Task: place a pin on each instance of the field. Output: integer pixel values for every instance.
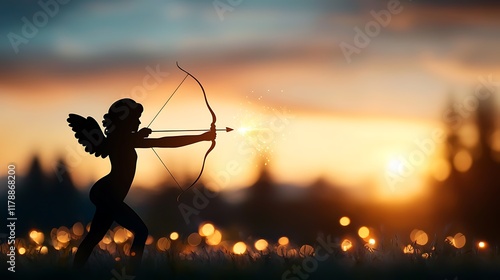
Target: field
(328, 258)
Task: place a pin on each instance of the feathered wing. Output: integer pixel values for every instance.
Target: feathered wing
(89, 134)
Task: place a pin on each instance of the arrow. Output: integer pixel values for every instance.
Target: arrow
(227, 129)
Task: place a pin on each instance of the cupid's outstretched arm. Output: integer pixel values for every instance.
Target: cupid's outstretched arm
(174, 141)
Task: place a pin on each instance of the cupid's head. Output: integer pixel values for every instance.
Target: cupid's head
(123, 117)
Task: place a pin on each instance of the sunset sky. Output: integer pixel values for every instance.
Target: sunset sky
(274, 71)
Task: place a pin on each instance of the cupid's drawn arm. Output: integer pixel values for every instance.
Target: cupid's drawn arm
(171, 141)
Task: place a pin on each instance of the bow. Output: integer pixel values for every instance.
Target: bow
(212, 126)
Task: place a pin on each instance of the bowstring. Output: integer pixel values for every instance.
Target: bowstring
(165, 104)
(158, 156)
(164, 165)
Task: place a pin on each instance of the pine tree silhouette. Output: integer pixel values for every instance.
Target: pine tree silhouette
(474, 192)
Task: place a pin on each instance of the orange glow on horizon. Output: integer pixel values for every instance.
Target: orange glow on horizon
(365, 142)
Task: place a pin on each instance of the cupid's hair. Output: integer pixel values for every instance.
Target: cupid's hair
(120, 112)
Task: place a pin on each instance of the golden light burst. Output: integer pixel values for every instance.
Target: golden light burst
(261, 127)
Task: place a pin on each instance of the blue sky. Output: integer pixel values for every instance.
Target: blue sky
(411, 54)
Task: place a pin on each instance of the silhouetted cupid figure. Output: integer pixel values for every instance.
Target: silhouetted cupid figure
(121, 137)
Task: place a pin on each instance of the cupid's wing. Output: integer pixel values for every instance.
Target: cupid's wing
(89, 134)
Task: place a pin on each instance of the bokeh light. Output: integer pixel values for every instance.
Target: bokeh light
(215, 238)
(163, 244)
(44, 250)
(261, 244)
(283, 241)
(120, 236)
(450, 240)
(239, 248)
(281, 250)
(194, 239)
(363, 232)
(421, 237)
(462, 161)
(174, 236)
(107, 239)
(306, 250)
(345, 221)
(63, 235)
(441, 170)
(459, 240)
(346, 245)
(37, 237)
(78, 229)
(206, 229)
(150, 240)
(408, 249)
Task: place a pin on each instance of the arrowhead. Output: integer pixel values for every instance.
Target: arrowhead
(228, 129)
